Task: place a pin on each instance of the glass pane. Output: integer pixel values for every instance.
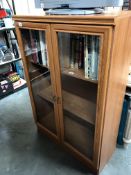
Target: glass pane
(79, 55)
(79, 134)
(39, 72)
(79, 60)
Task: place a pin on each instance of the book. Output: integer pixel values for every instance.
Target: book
(86, 58)
(64, 49)
(19, 68)
(72, 50)
(93, 57)
(34, 45)
(77, 53)
(26, 43)
(81, 53)
(42, 46)
(14, 43)
(43, 49)
(127, 131)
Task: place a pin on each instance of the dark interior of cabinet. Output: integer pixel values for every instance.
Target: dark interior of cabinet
(35, 70)
(84, 89)
(78, 100)
(44, 108)
(78, 134)
(79, 110)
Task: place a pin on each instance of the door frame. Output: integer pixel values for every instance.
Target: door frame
(105, 32)
(46, 28)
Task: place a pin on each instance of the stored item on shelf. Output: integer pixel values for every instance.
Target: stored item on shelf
(13, 77)
(14, 44)
(5, 69)
(6, 87)
(8, 22)
(18, 84)
(3, 13)
(2, 23)
(19, 68)
(127, 132)
(1, 55)
(8, 55)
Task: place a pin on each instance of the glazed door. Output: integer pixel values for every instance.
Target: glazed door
(38, 63)
(79, 52)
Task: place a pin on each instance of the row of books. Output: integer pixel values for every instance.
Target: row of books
(80, 52)
(36, 49)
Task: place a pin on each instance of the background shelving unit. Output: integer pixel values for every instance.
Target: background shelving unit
(4, 33)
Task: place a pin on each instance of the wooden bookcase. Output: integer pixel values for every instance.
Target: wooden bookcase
(76, 69)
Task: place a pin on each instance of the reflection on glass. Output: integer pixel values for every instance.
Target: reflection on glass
(37, 60)
(79, 58)
(79, 134)
(79, 55)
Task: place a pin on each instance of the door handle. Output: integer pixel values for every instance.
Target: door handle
(54, 99)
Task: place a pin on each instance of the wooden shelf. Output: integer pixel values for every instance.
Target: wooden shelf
(7, 62)
(5, 28)
(80, 107)
(77, 73)
(74, 104)
(40, 75)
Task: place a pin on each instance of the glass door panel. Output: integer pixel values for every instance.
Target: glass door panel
(79, 59)
(37, 61)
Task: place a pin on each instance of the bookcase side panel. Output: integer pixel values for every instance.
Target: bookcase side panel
(117, 81)
(102, 92)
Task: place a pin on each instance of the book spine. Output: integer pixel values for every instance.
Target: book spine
(127, 131)
(76, 52)
(37, 45)
(86, 57)
(27, 44)
(72, 51)
(33, 47)
(43, 48)
(81, 51)
(15, 47)
(94, 59)
(19, 68)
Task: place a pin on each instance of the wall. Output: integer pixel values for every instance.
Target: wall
(24, 7)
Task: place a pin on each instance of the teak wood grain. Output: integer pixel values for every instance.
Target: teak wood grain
(99, 19)
(119, 65)
(45, 28)
(115, 53)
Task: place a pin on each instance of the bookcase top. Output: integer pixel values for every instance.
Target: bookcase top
(95, 19)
